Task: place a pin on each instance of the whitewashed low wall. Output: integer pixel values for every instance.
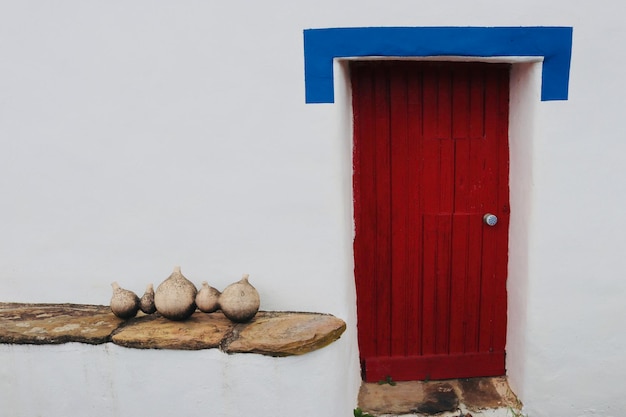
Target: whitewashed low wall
(107, 381)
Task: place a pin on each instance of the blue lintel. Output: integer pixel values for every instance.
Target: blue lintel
(321, 46)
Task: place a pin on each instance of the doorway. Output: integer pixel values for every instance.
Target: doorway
(431, 208)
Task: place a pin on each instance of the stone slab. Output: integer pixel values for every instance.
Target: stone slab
(200, 331)
(269, 333)
(423, 398)
(285, 333)
(56, 323)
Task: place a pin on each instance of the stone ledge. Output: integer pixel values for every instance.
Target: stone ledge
(269, 333)
(56, 323)
(284, 334)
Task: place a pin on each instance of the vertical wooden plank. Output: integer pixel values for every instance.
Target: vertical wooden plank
(429, 290)
(473, 284)
(459, 271)
(477, 164)
(463, 186)
(383, 212)
(477, 102)
(462, 190)
(365, 206)
(444, 102)
(399, 208)
(430, 103)
(500, 314)
(446, 145)
(443, 283)
(479, 160)
(429, 188)
(414, 217)
(446, 176)
(445, 210)
(460, 102)
(490, 200)
(487, 294)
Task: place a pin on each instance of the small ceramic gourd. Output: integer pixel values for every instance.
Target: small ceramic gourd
(146, 303)
(124, 303)
(240, 301)
(207, 298)
(175, 298)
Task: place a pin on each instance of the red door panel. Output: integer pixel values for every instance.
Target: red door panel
(430, 160)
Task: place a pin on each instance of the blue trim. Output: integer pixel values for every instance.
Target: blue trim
(321, 46)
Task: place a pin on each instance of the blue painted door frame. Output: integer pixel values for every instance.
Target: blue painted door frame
(321, 46)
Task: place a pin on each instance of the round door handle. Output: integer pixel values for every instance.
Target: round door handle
(490, 219)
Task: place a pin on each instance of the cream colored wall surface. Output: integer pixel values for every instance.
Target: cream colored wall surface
(136, 136)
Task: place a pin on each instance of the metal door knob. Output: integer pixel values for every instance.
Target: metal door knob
(490, 219)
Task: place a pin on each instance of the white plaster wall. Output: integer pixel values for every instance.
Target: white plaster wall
(523, 105)
(111, 381)
(576, 291)
(135, 136)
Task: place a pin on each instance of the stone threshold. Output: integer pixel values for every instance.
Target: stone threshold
(466, 397)
(271, 333)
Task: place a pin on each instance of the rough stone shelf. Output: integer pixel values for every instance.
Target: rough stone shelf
(270, 333)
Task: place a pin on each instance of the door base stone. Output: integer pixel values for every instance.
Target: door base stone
(455, 397)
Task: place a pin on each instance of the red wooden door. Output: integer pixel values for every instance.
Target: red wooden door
(430, 160)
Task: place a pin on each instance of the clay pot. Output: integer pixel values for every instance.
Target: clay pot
(240, 301)
(146, 303)
(207, 298)
(124, 303)
(175, 298)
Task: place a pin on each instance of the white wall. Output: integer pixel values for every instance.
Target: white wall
(135, 136)
(112, 381)
(576, 294)
(523, 108)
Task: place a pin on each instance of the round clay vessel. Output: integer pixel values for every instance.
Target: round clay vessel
(146, 303)
(124, 303)
(175, 298)
(207, 298)
(240, 301)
